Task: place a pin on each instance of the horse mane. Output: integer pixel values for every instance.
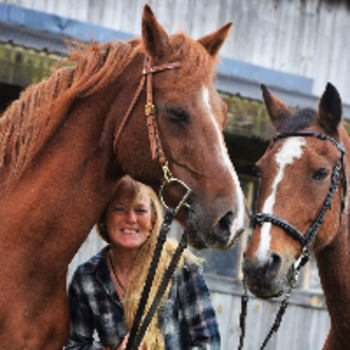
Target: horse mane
(30, 121)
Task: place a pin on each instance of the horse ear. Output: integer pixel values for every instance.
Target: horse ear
(277, 110)
(154, 37)
(213, 42)
(330, 109)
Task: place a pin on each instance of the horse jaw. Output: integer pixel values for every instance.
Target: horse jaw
(227, 227)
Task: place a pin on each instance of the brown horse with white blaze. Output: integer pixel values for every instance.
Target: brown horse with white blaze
(303, 204)
(59, 166)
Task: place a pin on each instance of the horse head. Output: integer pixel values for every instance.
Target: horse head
(301, 188)
(190, 117)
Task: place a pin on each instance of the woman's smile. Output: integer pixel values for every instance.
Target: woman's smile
(129, 231)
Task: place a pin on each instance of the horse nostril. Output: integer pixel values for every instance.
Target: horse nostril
(263, 270)
(226, 220)
(273, 265)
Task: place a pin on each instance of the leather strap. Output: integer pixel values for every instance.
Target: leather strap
(150, 109)
(128, 112)
(150, 113)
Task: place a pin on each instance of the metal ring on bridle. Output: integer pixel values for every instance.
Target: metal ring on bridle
(184, 198)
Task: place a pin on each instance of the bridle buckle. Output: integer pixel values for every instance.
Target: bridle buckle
(150, 109)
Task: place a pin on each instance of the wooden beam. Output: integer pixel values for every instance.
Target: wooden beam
(22, 66)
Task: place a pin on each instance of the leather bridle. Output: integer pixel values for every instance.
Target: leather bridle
(338, 172)
(150, 109)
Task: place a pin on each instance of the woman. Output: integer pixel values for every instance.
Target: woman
(105, 291)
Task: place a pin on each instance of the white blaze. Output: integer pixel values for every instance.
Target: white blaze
(222, 154)
(291, 150)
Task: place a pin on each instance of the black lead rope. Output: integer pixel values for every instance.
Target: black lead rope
(139, 329)
(168, 218)
(243, 315)
(161, 290)
(284, 304)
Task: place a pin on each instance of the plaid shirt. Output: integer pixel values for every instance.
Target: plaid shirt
(187, 319)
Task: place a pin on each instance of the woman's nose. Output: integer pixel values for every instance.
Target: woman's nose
(131, 216)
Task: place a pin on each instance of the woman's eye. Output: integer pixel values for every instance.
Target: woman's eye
(118, 209)
(177, 114)
(320, 174)
(141, 211)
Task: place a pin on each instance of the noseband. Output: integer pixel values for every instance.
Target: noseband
(338, 171)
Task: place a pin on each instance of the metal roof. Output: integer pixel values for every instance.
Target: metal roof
(32, 28)
(32, 38)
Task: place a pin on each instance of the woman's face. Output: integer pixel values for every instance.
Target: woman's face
(129, 224)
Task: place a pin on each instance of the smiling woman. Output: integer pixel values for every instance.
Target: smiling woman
(105, 291)
(129, 221)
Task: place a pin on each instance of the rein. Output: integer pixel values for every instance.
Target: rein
(141, 320)
(304, 239)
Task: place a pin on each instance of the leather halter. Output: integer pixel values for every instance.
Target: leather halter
(306, 239)
(150, 109)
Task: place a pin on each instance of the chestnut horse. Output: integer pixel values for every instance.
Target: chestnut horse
(58, 166)
(301, 199)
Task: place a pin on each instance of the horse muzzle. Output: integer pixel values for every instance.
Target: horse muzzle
(222, 235)
(268, 278)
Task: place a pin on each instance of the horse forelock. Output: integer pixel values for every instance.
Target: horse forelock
(30, 121)
(300, 120)
(197, 66)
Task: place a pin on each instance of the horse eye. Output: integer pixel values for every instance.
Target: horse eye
(320, 174)
(177, 114)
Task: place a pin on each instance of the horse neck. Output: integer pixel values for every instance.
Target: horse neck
(333, 263)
